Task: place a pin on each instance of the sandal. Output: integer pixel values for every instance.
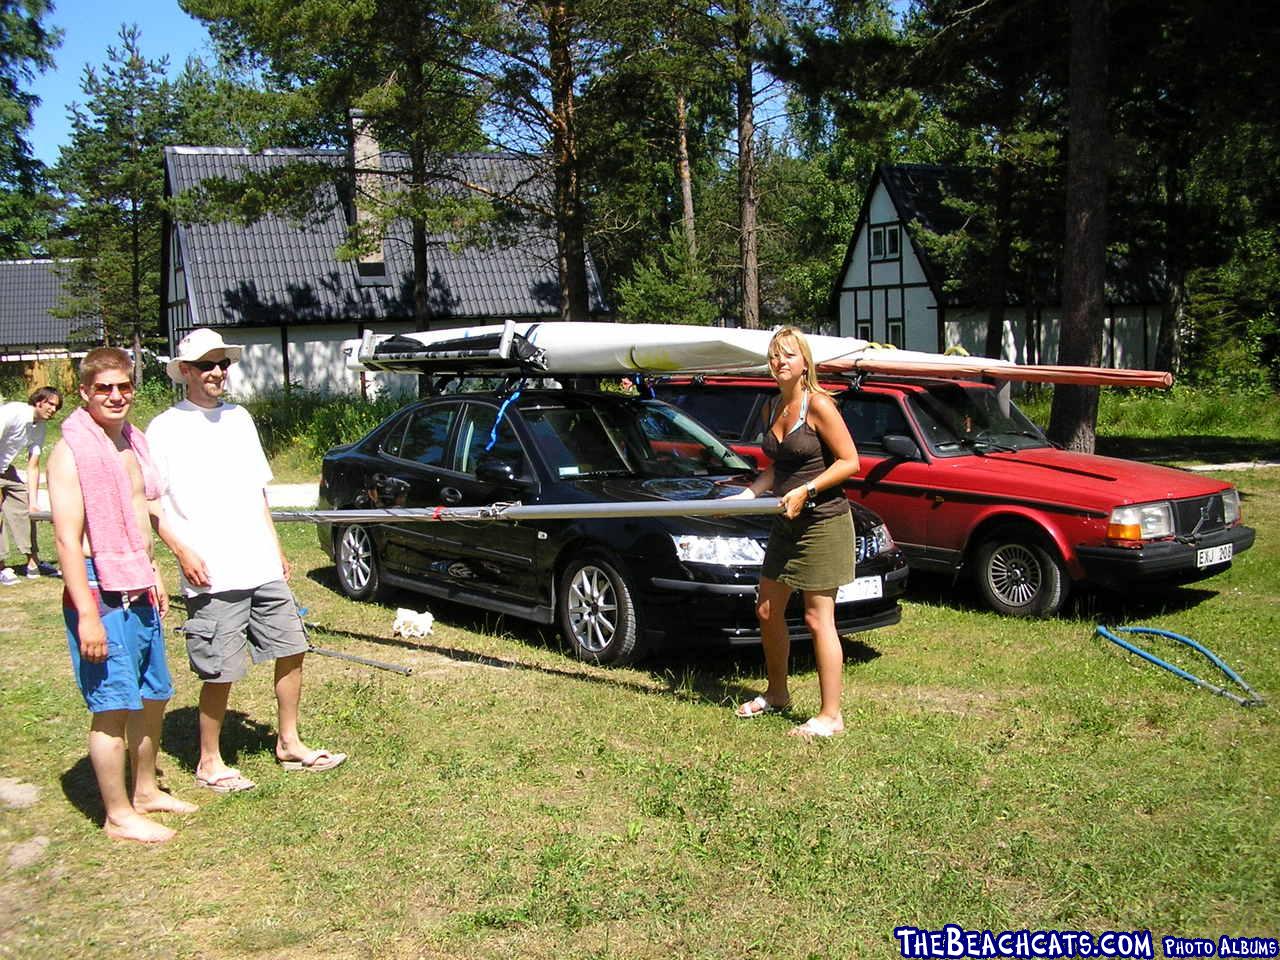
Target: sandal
(816, 727)
(758, 707)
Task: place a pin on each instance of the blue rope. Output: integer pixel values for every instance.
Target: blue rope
(1253, 700)
(493, 431)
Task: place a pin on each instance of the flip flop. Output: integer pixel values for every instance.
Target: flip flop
(814, 727)
(317, 761)
(758, 707)
(228, 781)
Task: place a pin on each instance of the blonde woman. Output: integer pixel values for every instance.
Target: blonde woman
(811, 546)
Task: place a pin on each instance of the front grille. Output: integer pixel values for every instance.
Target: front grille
(1187, 514)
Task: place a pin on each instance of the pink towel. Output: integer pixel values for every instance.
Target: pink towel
(119, 548)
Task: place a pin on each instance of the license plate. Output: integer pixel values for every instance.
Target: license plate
(864, 588)
(1211, 555)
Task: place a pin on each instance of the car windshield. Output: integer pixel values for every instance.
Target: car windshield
(634, 437)
(959, 419)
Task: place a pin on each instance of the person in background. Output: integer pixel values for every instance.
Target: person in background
(22, 430)
(213, 477)
(104, 496)
(811, 545)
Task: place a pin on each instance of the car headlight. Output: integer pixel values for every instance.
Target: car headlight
(1230, 506)
(877, 540)
(1141, 521)
(728, 551)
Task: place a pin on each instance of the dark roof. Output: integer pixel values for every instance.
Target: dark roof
(920, 192)
(279, 271)
(29, 292)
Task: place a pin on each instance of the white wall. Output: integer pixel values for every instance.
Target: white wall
(1124, 332)
(316, 361)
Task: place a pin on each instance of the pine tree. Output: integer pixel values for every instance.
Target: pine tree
(26, 48)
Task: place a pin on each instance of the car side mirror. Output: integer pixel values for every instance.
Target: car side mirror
(900, 446)
(497, 470)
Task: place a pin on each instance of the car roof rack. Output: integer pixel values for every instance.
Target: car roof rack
(503, 354)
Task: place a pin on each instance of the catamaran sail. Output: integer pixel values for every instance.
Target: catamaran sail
(565, 348)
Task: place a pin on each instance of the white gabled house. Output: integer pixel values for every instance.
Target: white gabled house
(889, 290)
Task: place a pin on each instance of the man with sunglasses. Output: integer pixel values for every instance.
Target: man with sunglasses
(214, 474)
(105, 499)
(22, 430)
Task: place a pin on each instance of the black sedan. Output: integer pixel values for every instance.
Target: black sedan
(614, 586)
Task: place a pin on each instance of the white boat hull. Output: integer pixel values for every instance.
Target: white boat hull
(652, 349)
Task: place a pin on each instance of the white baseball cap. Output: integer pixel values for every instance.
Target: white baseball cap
(197, 344)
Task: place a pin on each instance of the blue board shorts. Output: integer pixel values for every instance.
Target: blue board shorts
(135, 668)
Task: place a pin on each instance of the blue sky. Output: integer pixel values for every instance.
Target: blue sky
(89, 27)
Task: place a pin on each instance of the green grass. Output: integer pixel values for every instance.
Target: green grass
(505, 801)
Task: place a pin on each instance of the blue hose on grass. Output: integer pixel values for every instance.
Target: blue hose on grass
(1253, 699)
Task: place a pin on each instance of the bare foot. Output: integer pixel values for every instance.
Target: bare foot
(161, 802)
(137, 828)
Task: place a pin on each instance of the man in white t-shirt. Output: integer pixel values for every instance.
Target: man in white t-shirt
(213, 478)
(22, 430)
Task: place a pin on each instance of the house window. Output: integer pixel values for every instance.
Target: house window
(884, 243)
(862, 330)
(896, 332)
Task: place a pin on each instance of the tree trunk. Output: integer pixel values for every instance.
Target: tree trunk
(684, 174)
(138, 365)
(418, 240)
(1173, 317)
(748, 202)
(998, 267)
(571, 246)
(1074, 415)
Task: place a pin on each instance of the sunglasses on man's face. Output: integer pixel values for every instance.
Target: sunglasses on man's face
(106, 389)
(204, 366)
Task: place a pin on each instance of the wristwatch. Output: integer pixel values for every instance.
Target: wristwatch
(813, 490)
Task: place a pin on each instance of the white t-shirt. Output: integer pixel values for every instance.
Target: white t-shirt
(19, 433)
(212, 478)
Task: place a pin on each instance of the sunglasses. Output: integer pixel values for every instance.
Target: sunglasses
(204, 366)
(106, 389)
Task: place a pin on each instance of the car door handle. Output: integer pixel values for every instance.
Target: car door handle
(451, 495)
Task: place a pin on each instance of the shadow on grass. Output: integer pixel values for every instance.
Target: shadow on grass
(699, 674)
(1209, 449)
(241, 736)
(1089, 603)
(80, 787)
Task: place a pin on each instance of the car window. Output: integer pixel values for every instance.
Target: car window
(478, 439)
(574, 441)
(427, 436)
(963, 419)
(393, 438)
(870, 417)
(726, 410)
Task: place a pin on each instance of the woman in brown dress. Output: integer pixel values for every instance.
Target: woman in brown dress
(811, 546)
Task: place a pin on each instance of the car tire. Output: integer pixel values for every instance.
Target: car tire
(1019, 575)
(356, 559)
(596, 611)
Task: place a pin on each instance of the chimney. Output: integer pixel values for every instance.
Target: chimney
(367, 161)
